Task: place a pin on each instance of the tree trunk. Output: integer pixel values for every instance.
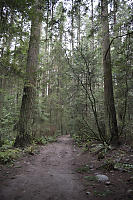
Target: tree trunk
(26, 120)
(1, 107)
(92, 25)
(72, 27)
(78, 25)
(110, 113)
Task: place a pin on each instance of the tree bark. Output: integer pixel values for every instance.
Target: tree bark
(26, 120)
(110, 112)
(72, 27)
(78, 25)
(92, 25)
(1, 107)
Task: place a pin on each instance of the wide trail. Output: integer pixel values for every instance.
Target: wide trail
(50, 176)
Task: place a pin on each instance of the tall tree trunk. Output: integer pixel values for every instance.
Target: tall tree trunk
(26, 120)
(1, 106)
(110, 113)
(72, 26)
(92, 25)
(78, 25)
(44, 74)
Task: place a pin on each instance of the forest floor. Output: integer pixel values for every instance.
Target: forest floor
(62, 171)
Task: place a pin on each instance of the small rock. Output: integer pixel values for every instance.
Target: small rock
(88, 193)
(102, 178)
(130, 193)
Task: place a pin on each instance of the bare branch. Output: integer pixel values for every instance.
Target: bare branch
(129, 33)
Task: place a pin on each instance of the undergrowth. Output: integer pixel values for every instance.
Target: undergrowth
(8, 154)
(43, 140)
(81, 142)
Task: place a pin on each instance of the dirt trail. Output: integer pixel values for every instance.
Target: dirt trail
(50, 176)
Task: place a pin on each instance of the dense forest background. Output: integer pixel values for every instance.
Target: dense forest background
(66, 66)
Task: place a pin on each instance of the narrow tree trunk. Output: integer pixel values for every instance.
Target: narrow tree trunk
(1, 107)
(72, 26)
(86, 95)
(26, 120)
(2, 83)
(92, 25)
(44, 74)
(110, 113)
(78, 25)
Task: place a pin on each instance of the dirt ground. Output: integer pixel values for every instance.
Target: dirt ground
(55, 173)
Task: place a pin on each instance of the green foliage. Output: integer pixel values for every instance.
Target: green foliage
(69, 81)
(6, 147)
(41, 141)
(108, 165)
(86, 146)
(123, 166)
(31, 149)
(77, 139)
(83, 169)
(51, 139)
(45, 140)
(84, 143)
(96, 148)
(90, 178)
(9, 117)
(102, 193)
(9, 155)
(6, 144)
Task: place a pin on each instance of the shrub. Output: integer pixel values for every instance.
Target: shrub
(9, 155)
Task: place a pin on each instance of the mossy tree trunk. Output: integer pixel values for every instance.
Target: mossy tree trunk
(26, 120)
(110, 112)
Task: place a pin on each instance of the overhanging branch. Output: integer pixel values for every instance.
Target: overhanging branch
(129, 33)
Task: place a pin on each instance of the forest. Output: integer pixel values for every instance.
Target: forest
(66, 67)
(66, 99)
